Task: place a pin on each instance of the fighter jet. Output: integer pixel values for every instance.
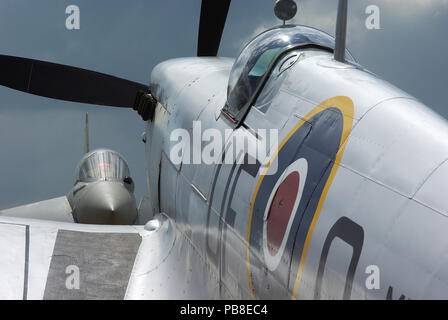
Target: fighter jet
(348, 202)
(103, 193)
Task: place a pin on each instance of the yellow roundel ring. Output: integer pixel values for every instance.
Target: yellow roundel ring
(346, 106)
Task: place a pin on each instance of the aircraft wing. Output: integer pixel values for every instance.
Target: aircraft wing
(59, 260)
(57, 209)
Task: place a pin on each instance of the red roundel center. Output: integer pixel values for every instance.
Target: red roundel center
(280, 211)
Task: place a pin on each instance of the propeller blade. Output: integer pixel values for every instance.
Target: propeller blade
(67, 83)
(211, 26)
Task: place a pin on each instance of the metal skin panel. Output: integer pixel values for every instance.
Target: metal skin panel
(342, 201)
(327, 78)
(167, 266)
(28, 251)
(203, 174)
(14, 262)
(155, 134)
(397, 155)
(433, 192)
(105, 261)
(167, 183)
(172, 78)
(399, 238)
(300, 146)
(231, 189)
(187, 100)
(351, 206)
(57, 209)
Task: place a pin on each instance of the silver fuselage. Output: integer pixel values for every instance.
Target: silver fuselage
(379, 203)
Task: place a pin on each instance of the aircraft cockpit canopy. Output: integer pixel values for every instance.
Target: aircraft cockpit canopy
(102, 165)
(255, 60)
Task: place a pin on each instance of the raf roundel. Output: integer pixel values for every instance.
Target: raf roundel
(287, 203)
(281, 210)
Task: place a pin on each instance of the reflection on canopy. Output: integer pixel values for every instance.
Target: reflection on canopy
(102, 165)
(255, 59)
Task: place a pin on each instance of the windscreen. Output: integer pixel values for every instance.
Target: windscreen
(255, 59)
(102, 165)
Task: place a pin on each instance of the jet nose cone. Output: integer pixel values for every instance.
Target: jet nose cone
(106, 202)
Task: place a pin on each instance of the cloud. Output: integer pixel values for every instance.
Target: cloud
(41, 139)
(403, 7)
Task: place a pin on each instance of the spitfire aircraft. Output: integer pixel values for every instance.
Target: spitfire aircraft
(354, 188)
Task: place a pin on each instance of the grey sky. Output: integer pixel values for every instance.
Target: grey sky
(41, 139)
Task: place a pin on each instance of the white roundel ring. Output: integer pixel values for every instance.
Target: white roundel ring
(280, 211)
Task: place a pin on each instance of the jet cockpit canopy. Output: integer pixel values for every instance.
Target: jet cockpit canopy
(102, 164)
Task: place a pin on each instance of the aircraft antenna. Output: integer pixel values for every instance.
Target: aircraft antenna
(341, 31)
(285, 10)
(86, 135)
